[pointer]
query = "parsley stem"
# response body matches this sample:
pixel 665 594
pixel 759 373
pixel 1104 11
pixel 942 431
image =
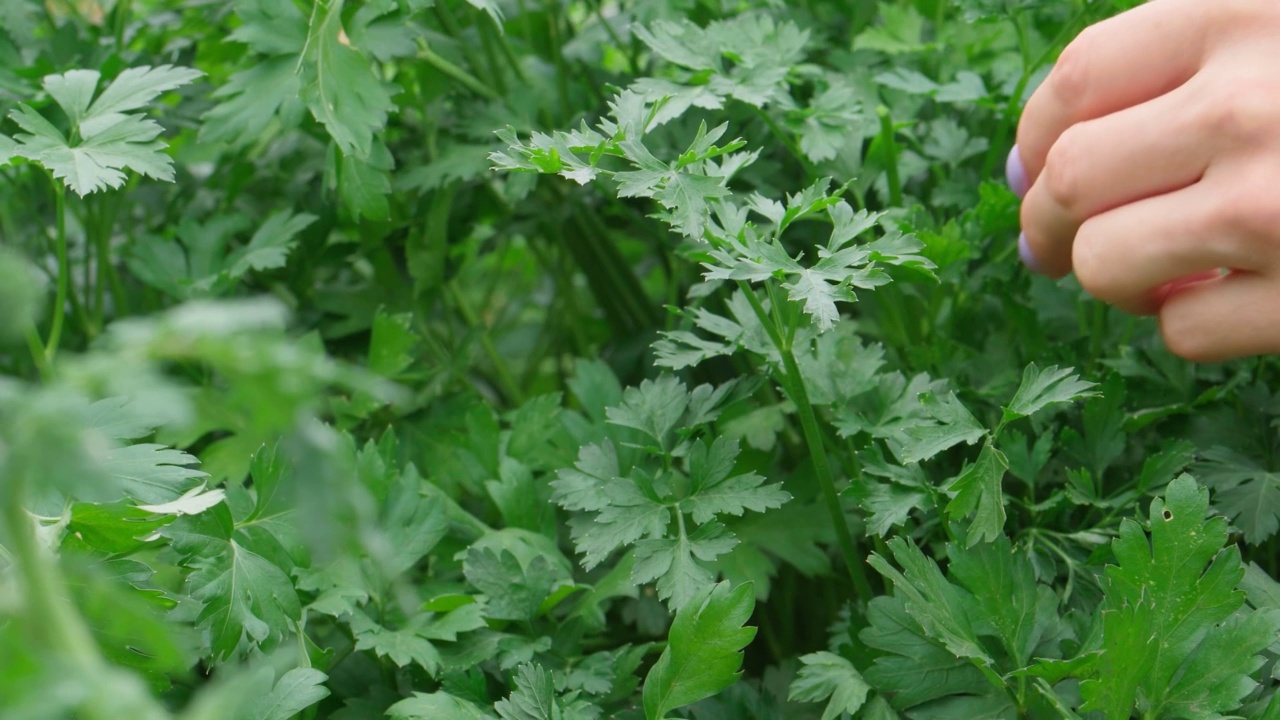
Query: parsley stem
pixel 454 72
pixel 793 384
pixel 500 368
pixel 889 149
pixel 491 55
pixel 557 55
pixel 37 352
pixel 628 52
pixel 789 143
pixel 64 271
pixel 465 45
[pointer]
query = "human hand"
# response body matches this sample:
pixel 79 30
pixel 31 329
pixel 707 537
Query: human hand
pixel 1150 161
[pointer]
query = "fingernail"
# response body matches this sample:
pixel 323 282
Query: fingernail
pixel 1024 253
pixel 1016 174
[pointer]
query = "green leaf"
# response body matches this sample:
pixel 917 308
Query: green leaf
pixel 679 564
pixel 715 490
pixel 437 706
pixel 827 675
pixel 1243 491
pixel 413 523
pixel 764 52
pixel 193 502
pixel 247 600
pixel 270 245
pixel 889 504
pixel 629 516
pixel 295 691
pixel 1173 644
pixel 704 650
pixel 152 473
pixel 978 490
pixel 900 30
pixel 364 183
pixel 404 646
pixel 106 139
pixel 252 99
pixel 655 407
pixel 534 698
pixel 341 88
pixel 513 591
pixel 1022 612
pixel 114 528
pixel 952 424
pixel 1042 388
pixel 270 28
pixel 914 667
pixel 936 604
pixel 391 344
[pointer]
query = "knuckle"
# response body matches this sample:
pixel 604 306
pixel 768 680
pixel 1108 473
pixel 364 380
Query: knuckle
pixel 1092 268
pixel 1238 114
pixel 1069 80
pixel 1245 212
pixel 1062 171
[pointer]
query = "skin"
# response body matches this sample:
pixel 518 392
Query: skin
pixel 1152 151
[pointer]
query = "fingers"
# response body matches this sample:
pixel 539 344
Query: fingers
pixel 1097 165
pixel 1231 317
pixel 1129 256
pixel 1129 59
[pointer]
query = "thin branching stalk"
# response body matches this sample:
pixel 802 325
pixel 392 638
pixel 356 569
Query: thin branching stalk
pixel 792 382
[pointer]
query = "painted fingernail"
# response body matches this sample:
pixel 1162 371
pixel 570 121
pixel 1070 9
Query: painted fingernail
pixel 1016 174
pixel 1024 253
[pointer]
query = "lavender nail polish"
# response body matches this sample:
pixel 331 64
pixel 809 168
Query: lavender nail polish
pixel 1025 254
pixel 1016 174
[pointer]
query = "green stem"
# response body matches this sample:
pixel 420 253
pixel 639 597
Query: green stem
pixel 121 21
pixel 793 384
pixel 787 141
pixel 557 51
pixel 452 28
pixel 64 271
pixel 37 352
pixel 889 146
pixel 795 388
pixel 454 72
pixel 508 52
pixel 628 52
pixel 491 56
pixel 505 378
pixel 1097 333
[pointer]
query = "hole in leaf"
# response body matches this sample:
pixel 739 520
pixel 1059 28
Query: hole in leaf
pixel 1167 515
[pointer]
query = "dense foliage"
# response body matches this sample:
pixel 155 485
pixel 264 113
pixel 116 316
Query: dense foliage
pixel 571 359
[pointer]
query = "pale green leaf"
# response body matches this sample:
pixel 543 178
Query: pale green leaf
pixel 827 675
pixel 295 691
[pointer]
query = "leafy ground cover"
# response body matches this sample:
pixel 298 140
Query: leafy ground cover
pixel 571 359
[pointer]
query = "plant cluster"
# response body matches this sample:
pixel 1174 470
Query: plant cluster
pixel 587 359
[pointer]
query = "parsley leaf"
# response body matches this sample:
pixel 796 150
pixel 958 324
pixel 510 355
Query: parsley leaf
pixel 107 136
pixel 827 675
pixel 1177 587
pixel 1244 491
pixel 704 650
